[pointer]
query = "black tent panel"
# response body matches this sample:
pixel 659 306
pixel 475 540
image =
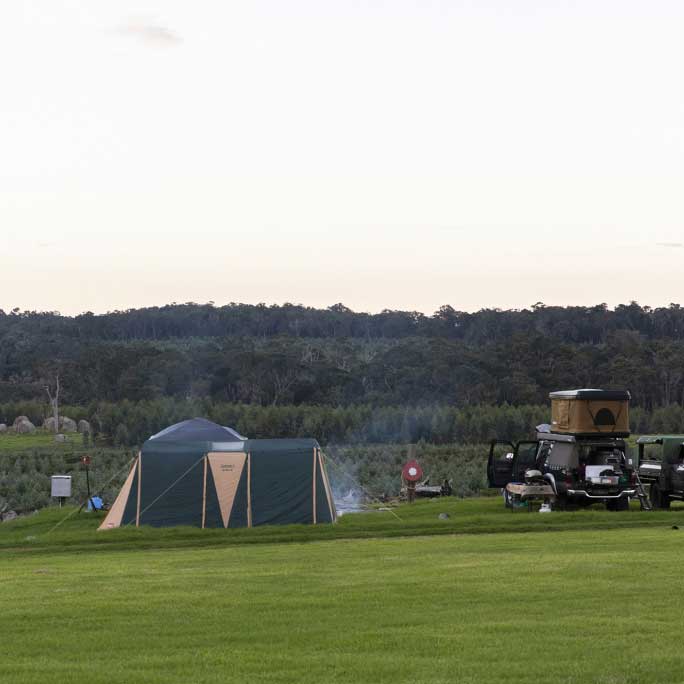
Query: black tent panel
pixel 238 515
pixel 282 487
pixel 172 489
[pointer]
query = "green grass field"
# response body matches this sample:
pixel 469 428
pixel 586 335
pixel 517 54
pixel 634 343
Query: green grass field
pixel 588 596
pixel 39 440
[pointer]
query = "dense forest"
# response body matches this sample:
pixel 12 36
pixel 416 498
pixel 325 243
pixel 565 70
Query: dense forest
pixel 366 386
pixel 293 355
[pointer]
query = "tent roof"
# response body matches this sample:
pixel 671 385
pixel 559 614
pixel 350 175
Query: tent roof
pixel 595 394
pixel 197 430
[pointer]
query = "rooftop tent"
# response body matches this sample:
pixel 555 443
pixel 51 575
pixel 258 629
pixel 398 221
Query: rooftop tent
pixel 192 474
pixel 590 412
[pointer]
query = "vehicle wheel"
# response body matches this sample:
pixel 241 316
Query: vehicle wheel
pixel 560 504
pixel 658 498
pixel 507 499
pixel 618 505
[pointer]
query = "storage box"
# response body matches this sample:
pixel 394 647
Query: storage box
pixel 61 486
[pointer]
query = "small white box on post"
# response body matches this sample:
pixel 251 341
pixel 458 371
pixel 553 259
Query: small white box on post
pixel 61 487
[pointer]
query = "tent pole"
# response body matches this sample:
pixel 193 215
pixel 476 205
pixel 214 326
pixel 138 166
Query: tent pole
pixel 326 485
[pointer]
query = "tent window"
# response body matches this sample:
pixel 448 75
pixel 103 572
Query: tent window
pixel 604 417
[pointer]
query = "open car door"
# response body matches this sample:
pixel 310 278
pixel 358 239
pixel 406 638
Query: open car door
pixel 525 458
pixel 500 463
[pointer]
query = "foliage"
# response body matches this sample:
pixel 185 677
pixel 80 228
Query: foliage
pixel 130 423
pixel 292 355
pixel 25 473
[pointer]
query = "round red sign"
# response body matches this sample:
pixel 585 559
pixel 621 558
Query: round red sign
pixel 412 472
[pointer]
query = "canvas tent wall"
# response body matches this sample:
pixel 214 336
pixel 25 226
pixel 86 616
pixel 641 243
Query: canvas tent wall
pixel 239 483
pixel 590 412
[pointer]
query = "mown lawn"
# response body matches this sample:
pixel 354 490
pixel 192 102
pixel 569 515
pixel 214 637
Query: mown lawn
pixel 573 606
pixel 57 529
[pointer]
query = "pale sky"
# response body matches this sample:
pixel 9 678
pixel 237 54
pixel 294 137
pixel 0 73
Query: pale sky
pixel 381 154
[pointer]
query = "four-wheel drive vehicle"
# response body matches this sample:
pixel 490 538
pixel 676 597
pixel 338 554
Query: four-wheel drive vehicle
pixel 661 464
pixel 512 468
pixel 580 471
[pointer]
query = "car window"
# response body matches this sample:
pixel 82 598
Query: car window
pixel 562 455
pixel 594 456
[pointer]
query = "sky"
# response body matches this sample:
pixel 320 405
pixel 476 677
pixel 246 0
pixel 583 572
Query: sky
pixel 400 155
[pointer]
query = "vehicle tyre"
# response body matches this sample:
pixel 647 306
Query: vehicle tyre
pixel 658 498
pixel 618 504
pixel 561 503
pixel 507 499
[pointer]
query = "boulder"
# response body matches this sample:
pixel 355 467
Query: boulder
pixel 10 515
pixel 3 428
pixel 67 424
pixel 60 438
pixel 22 425
pixel 84 427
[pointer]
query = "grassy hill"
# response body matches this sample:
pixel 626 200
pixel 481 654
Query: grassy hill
pixel 567 604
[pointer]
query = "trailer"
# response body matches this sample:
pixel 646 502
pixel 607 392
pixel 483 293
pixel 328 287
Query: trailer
pixel 661 465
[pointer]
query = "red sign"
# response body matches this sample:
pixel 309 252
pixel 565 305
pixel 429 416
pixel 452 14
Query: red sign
pixel 412 472
pixel 85 460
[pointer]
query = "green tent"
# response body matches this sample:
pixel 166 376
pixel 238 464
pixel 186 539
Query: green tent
pixel 206 475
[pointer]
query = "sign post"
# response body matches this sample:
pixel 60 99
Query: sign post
pixel 411 474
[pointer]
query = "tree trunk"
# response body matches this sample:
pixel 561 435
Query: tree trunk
pixel 54 403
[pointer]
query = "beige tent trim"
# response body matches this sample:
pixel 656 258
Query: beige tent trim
pixel 116 512
pixel 226 468
pixel 326 486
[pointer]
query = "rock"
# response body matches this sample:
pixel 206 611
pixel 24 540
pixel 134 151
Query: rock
pixel 443 516
pixel 10 515
pixel 3 428
pixel 60 438
pixel 84 427
pixel 66 424
pixel 22 425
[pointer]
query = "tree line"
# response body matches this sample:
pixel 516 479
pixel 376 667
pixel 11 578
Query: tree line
pixel 291 355
pixel 573 324
pixel 129 424
pixel 281 371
